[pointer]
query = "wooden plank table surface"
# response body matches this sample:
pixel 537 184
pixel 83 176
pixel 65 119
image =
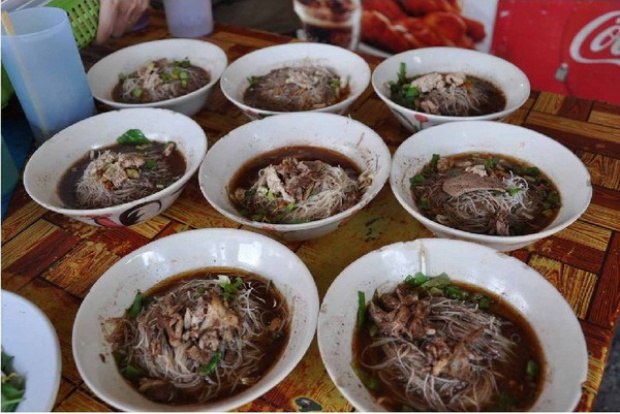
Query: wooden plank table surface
pixel 53 261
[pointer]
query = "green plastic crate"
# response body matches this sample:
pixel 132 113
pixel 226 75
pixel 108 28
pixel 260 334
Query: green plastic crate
pixel 83 16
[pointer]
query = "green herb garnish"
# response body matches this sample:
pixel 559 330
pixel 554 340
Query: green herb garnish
pixel 13 384
pixel 133 136
pixel 361 309
pixel 206 370
pixel 136 306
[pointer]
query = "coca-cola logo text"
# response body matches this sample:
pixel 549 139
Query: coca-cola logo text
pixel 598 41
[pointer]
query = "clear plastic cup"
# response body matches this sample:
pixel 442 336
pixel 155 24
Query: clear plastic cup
pixel 43 63
pixel 333 22
pixel 189 18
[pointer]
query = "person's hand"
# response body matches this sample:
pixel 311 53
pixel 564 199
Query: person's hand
pixel 118 16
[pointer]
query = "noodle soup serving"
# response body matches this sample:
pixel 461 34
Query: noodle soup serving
pixel 486 193
pixel 200 336
pixel 447 94
pixel 296 88
pixel 159 80
pixel 132 168
pixel 297 184
pixel 433 345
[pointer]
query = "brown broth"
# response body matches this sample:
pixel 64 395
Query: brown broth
pixel 175 165
pixel 247 174
pixel 489 97
pixel 513 380
pixel 272 348
pixel 199 77
pixel 274 91
pixel 541 189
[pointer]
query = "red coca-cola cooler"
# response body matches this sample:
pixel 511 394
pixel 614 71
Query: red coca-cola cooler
pixel 571 47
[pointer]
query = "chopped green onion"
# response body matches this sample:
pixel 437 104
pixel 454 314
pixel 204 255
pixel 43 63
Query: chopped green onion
pixel 423 203
pixel 372 383
pixel 137 92
pixel 361 309
pixel 417 179
pixel 253 81
pixel 491 162
pixel 533 171
pixel 210 368
pixel 136 306
pixel 402 72
pixel 455 292
pixel 504 403
pixel 531 369
pixel 131 372
pixel 417 280
pixel 229 287
pixel 434 162
pixel 150 164
pixel 484 302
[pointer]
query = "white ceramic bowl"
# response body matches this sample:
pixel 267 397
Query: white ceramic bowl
pixel 194 249
pixel 550 316
pixel 103 76
pixel 29 337
pixel 346 63
pixel 346 136
pixel 508 77
pixel 51 160
pixel 562 166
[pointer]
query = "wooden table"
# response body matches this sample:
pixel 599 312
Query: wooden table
pixel 53 261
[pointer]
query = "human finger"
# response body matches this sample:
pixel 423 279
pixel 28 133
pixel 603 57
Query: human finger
pixel 107 19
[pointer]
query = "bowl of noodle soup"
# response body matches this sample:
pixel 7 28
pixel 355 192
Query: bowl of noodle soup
pixel 217 367
pixel 503 208
pixel 295 77
pixel 431 86
pixel 85 173
pixel 428 371
pixel 296 176
pixel 176 74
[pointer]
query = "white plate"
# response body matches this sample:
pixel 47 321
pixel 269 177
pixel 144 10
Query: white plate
pixel 172 255
pixel 29 337
pixel 521 286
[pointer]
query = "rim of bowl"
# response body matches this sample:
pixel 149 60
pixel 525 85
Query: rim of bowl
pixel 469 55
pixel 548 231
pixel 305 337
pixel 366 198
pixel 362 64
pixel 171 189
pixel 214 49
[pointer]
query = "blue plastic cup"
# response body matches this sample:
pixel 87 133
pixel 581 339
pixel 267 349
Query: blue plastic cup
pixel 45 68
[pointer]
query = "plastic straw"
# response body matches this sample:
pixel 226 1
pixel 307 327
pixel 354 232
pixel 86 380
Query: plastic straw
pixel 10 31
pixel 8 24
